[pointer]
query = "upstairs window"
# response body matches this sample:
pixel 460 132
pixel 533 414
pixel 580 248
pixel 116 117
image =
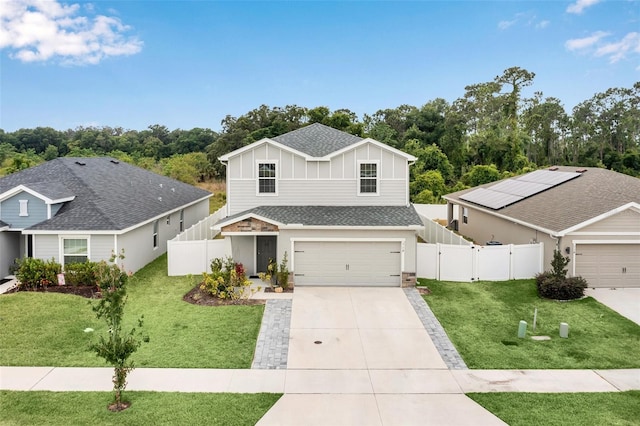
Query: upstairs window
pixel 181 220
pixel 465 215
pixel 267 178
pixel 368 178
pixel 24 207
pixel 75 250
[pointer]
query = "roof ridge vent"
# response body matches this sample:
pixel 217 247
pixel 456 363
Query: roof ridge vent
pixel 115 161
pixel 81 163
pixel 553 169
pixel 581 171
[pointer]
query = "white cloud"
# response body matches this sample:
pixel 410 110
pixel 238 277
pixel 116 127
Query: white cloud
pixel 503 25
pixel 614 50
pixel 526 19
pixel 585 42
pixel 580 5
pixel 619 50
pixel 542 24
pixel 44 30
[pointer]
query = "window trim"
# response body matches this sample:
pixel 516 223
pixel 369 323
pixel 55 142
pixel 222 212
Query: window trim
pixel 181 221
pixel 74 237
pixel 275 178
pixel 24 208
pixel 156 235
pixel 465 215
pixel 377 178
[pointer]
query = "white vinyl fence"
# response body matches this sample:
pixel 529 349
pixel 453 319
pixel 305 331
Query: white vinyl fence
pixel 192 251
pixel 447 262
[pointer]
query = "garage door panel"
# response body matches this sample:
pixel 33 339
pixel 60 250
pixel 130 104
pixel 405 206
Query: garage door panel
pixel 347 263
pixel 609 265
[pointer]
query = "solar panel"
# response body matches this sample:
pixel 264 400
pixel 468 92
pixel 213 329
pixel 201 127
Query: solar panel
pixel 548 177
pixel 519 187
pixel 513 190
pixel 492 199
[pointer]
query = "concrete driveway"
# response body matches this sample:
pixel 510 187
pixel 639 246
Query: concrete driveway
pixel 361 356
pixel 625 301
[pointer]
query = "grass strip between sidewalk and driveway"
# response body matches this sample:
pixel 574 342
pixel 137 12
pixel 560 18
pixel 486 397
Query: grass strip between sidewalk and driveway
pixel 47 329
pixel 481 319
pixel 560 409
pixel 160 408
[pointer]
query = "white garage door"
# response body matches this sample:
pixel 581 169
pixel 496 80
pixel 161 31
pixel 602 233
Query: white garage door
pixel 348 263
pixel 609 265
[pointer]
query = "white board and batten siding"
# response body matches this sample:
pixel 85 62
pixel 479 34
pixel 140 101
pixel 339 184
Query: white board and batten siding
pixel 479 263
pixel 324 183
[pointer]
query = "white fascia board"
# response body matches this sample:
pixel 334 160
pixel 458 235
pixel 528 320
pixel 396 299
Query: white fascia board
pixel 373 142
pixel 505 217
pixel 62 200
pixel 112 231
pixel 227 156
pixel 221 224
pixel 357 228
pixel 632 205
pixel 22 188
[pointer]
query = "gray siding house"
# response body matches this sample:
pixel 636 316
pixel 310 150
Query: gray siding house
pixel 76 209
pixel 337 204
pixel 591 215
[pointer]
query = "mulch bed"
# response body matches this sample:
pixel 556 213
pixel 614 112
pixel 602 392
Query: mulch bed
pixel 199 297
pixel 423 290
pixel 87 291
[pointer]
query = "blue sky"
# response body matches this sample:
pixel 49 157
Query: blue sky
pixel 188 64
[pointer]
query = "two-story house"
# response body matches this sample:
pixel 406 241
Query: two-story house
pixel 78 209
pixel 337 204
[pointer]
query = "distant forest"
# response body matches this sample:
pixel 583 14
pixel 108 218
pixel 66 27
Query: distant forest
pixel 490 133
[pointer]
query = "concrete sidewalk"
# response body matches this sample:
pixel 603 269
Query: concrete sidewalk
pixel 352 381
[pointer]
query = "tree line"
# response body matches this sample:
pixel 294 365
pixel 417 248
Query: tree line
pixel 491 132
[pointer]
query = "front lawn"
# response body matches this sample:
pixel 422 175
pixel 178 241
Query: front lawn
pixel 550 409
pixel 47 329
pixel 160 408
pixel 482 319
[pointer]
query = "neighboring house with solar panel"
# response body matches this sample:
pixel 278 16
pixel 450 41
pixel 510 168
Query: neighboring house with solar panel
pixel 337 204
pixel 591 215
pixel 78 209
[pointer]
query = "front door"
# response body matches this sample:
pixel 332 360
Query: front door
pixel 265 251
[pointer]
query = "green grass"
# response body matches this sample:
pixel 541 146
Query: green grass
pixel 482 319
pixel 47 329
pixel 558 409
pixel 90 408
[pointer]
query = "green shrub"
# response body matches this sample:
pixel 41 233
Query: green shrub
pixel 80 273
pixel 283 273
pixel 34 273
pixel 227 280
pixel 552 287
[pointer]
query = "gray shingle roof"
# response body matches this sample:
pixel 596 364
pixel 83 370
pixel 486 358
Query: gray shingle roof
pixel 317 140
pixel 51 190
pixel 109 195
pixel 595 192
pixel 336 215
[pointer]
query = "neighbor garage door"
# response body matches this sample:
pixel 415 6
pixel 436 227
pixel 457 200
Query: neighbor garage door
pixel 347 263
pixel 609 265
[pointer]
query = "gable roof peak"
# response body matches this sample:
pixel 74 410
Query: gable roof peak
pixel 317 140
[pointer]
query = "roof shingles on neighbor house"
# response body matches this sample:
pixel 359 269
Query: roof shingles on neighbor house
pixel 595 192
pixel 107 194
pixel 349 216
pixel 317 140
